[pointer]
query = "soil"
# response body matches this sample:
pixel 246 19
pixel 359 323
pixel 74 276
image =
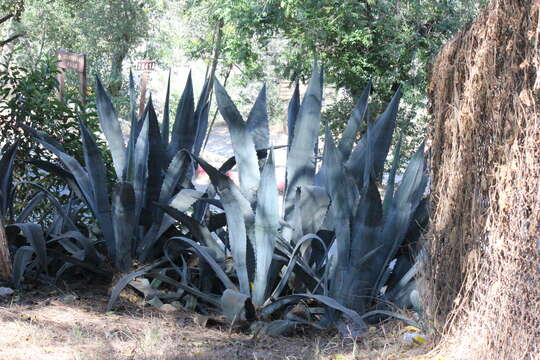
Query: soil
pixel 54 323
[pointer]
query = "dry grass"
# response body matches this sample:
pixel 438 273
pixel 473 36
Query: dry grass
pixel 42 326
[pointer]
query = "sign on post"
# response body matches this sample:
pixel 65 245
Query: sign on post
pixel 71 61
pixel 146 66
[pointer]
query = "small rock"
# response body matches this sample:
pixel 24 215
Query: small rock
pixel 68 298
pixel 177 305
pixel 414 338
pixel 5 291
pixel 168 308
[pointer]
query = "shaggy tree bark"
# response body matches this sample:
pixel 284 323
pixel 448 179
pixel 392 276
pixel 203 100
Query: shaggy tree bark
pixel 5 261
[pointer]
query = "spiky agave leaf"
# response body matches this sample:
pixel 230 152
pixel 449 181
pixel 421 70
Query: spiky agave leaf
pixel 185 127
pixel 239 220
pixel 348 137
pixel 124 221
pixel 266 229
pixel 97 172
pixel 7 163
pixel 407 198
pixel 111 128
pixel 33 234
pixel 242 142
pixel 300 160
pixel 257 121
pixel 383 130
pixel 292 113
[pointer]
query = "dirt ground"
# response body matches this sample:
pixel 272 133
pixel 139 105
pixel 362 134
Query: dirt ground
pixel 51 323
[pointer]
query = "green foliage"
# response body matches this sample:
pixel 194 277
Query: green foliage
pixel 388 42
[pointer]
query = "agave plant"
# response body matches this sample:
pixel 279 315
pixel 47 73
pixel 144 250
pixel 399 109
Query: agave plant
pixel 266 261
pixel 152 166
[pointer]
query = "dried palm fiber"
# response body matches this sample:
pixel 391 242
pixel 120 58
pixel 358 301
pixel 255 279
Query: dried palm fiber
pixel 484 270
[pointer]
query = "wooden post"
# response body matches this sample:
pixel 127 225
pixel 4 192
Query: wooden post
pixel 146 66
pixel 71 61
pixel 144 81
pixel 5 259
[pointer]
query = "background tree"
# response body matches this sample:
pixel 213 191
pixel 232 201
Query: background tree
pixel 388 42
pixel 10 10
pixel 107 31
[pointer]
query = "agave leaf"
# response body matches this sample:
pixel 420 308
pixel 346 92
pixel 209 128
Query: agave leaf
pixel 292 113
pixel 239 217
pixel 165 125
pixel 111 128
pixel 59 171
pixel 292 263
pixel 237 306
pixel 199 231
pixel 343 194
pixel 405 319
pixel 229 164
pixel 89 251
pixel 329 302
pixel 266 228
pixel 313 204
pixel 132 100
pixel 22 258
pixel 97 172
pixel 34 236
pixel 407 198
pixel 157 163
pixel 133 127
pixel 140 164
pixel 389 194
pixel 6 171
pixel 126 279
pixel 30 207
pixel 382 138
pixel 257 122
pixel 242 142
pixel 185 128
pixel 276 327
pixel 348 137
pixel 208 258
pixel 300 160
pixel 195 292
pixel 60 210
pixel 78 172
pixel 124 223
pixel 201 116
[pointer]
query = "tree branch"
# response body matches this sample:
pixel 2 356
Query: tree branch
pixel 10 39
pixel 6 18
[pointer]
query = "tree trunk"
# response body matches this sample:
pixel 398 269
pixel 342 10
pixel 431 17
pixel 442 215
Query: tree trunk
pixel 5 259
pixel 115 83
